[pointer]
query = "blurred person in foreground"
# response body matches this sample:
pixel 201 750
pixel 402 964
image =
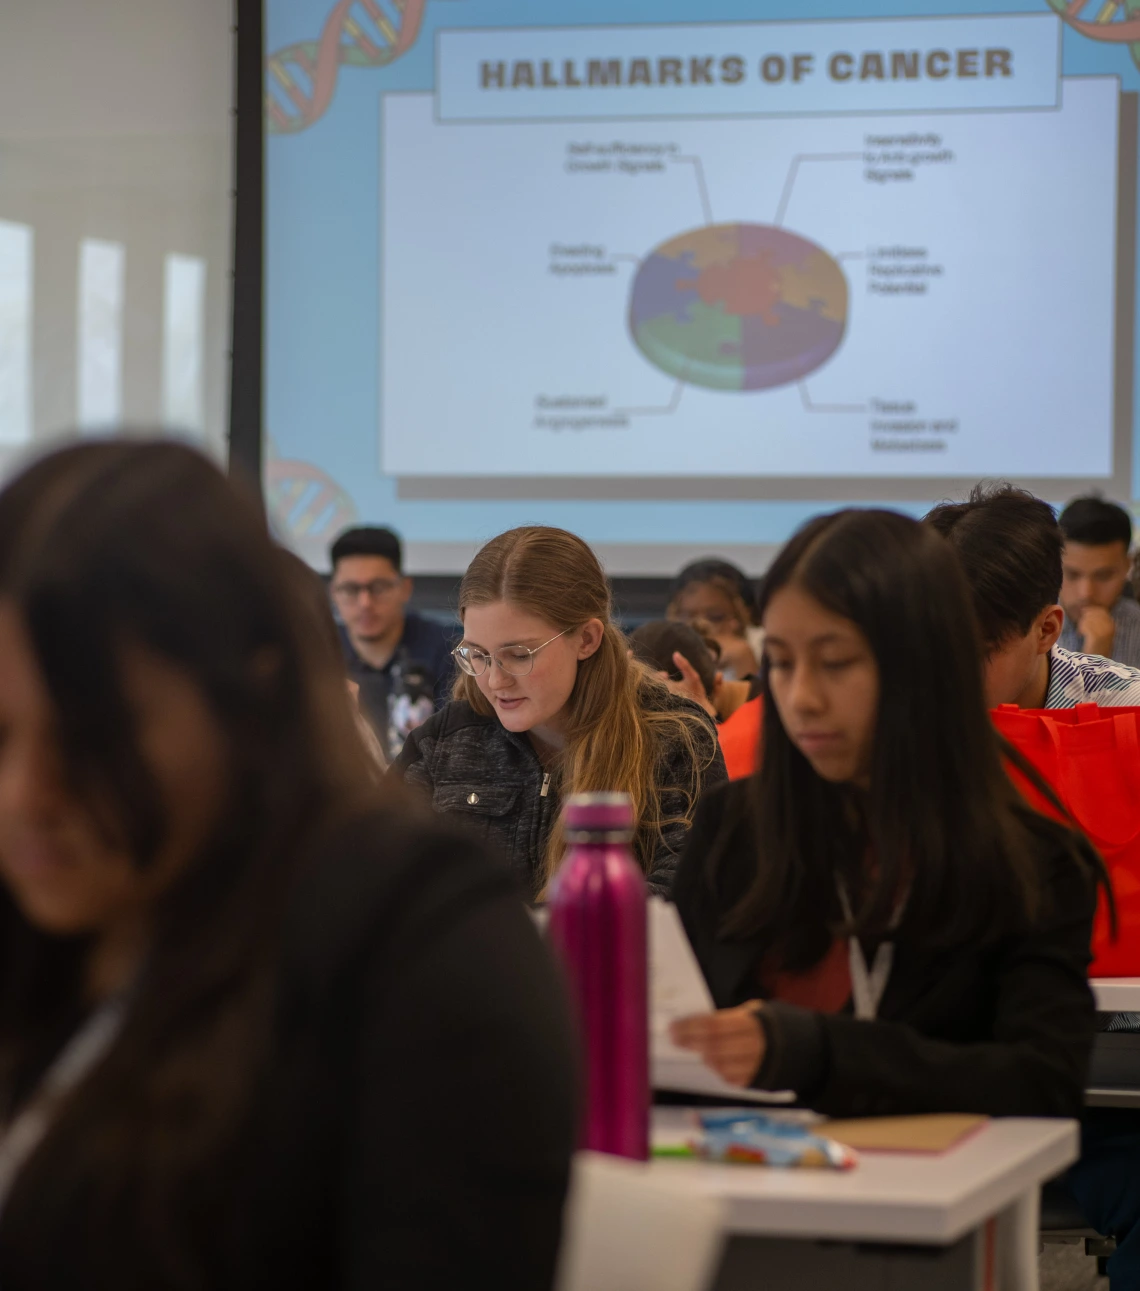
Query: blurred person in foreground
pixel 1101 614
pixel 241 982
pixel 313 598
pixel 400 660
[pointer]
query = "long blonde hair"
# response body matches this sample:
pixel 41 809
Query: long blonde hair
pixel 618 720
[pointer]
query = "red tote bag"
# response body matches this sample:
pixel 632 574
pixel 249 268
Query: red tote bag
pixel 1090 757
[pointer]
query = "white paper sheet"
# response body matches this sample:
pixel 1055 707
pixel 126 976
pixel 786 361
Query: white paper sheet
pixel 677 989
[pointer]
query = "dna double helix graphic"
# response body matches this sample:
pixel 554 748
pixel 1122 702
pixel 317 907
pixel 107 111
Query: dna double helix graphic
pixel 300 79
pixel 306 505
pixel 1116 21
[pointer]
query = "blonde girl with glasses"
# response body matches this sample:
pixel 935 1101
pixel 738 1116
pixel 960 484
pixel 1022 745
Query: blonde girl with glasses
pixel 547 702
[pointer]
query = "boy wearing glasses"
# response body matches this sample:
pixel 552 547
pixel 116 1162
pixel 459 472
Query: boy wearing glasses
pixel 399 659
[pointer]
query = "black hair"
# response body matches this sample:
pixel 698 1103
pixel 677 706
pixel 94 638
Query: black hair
pixel 941 819
pixel 313 596
pixel 1095 521
pixel 369 540
pixel 656 642
pixel 104 545
pixel 719 573
pixel 1009 545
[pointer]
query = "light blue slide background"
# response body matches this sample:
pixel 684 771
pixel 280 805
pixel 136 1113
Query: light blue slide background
pixel 322 299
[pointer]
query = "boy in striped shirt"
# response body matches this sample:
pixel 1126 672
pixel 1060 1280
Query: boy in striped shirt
pixel 1010 546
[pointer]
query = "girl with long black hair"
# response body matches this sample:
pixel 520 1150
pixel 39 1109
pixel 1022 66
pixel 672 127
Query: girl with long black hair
pixel 884 923
pixel 241 985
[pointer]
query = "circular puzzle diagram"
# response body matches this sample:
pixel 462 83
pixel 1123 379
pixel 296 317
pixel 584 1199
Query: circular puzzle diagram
pixel 738 306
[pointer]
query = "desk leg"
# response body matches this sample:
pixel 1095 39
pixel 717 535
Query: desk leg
pixel 1017 1239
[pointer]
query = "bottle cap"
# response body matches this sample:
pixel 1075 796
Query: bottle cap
pixel 607 813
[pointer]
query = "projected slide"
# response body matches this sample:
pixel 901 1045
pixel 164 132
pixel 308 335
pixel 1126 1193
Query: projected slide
pixel 861 289
pixel 678 279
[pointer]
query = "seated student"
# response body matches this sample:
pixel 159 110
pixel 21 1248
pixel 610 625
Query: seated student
pixel 721 596
pixel 731 696
pixel 740 737
pixel 387 647
pixel 240 980
pixel 734 704
pixel 1009 545
pixel 548 703
pixel 313 600
pixel 883 922
pixel 1101 614
pixel 680 657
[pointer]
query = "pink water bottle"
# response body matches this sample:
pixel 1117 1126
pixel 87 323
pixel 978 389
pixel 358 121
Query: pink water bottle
pixel 598 927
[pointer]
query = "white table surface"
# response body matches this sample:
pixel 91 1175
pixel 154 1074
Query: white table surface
pixel 890 1196
pixel 1117 994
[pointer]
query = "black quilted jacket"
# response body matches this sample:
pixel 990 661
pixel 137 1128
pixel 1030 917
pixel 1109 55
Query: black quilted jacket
pixel 490 778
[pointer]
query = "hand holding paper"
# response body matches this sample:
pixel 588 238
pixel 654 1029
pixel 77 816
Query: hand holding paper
pixel 730 1041
pixel 677 991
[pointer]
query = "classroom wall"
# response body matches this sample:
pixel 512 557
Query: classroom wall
pixel 115 178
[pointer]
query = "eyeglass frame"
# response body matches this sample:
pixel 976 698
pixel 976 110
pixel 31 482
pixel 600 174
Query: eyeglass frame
pixel 492 656
pixel 352 592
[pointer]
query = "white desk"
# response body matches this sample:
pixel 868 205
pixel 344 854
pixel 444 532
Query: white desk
pixel 891 1199
pixel 1117 994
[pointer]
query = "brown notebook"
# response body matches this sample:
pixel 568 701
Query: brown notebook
pixel 937 1133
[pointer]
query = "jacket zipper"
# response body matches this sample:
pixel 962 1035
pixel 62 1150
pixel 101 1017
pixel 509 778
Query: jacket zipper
pixel 540 820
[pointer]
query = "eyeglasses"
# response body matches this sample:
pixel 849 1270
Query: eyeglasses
pixel 714 618
pixel 378 588
pixel 516 660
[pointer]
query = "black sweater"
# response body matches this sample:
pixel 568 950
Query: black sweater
pixel 414 1125
pixel 490 778
pixel 1004 1029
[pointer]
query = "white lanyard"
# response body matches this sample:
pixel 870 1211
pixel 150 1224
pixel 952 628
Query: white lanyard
pixel 78 1057
pixel 867 986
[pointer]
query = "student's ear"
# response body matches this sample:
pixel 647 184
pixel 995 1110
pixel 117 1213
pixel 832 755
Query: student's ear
pixel 1049 624
pixel 590 638
pixel 407 587
pixel 718 682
